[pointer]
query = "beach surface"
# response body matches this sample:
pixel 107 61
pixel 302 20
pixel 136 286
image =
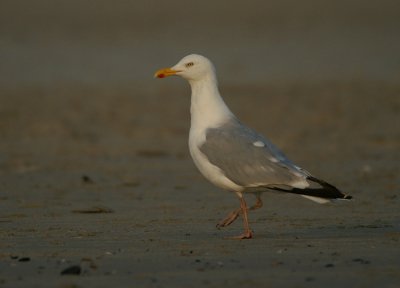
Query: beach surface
pixel 97 187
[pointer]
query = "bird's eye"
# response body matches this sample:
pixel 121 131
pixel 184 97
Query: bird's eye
pixel 189 64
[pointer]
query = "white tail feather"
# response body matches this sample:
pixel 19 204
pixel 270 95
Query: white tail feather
pixel 317 199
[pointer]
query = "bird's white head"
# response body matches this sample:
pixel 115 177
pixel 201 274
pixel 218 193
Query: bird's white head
pixel 193 67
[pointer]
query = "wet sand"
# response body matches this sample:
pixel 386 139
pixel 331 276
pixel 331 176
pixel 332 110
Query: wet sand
pixel 103 179
pixel 97 188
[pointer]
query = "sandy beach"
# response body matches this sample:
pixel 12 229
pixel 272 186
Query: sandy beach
pixel 97 187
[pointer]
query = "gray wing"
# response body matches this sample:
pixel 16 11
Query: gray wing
pixel 247 158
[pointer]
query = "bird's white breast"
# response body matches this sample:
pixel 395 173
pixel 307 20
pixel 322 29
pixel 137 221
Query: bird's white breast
pixel 208 110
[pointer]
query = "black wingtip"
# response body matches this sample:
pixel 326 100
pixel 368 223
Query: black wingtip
pixel 326 191
pixel 333 192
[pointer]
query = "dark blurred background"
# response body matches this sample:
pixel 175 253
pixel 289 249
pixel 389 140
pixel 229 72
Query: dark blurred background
pixel 46 42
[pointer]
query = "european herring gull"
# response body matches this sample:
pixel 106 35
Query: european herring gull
pixel 233 156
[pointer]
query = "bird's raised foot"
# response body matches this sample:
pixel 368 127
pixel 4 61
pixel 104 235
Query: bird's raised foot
pixel 229 219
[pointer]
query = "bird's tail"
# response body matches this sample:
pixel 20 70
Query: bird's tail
pixel 324 192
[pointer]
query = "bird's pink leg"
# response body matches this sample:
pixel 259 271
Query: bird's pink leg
pixel 235 214
pixel 258 203
pixel 228 220
pixel 247 234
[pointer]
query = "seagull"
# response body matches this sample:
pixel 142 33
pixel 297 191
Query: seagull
pixel 233 156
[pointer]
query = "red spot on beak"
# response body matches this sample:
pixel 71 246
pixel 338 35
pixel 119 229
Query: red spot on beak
pixel 161 75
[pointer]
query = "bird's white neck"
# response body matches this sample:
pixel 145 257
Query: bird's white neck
pixel 207 109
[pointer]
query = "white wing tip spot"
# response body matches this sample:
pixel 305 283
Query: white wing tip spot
pixel 259 144
pixel 301 184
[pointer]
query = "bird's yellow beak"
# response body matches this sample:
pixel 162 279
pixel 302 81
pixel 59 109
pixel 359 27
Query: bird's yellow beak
pixel 165 72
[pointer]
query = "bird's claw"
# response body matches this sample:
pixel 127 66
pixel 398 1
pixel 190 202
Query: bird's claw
pixel 245 235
